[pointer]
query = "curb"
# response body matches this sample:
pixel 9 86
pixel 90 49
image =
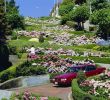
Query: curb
pixel 70 96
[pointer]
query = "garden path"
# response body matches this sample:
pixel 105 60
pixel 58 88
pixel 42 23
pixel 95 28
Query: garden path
pixel 48 90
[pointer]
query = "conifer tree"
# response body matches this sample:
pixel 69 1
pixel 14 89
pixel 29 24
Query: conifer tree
pixel 4 30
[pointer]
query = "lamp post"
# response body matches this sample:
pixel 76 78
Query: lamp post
pixel 90 7
pixel 5 5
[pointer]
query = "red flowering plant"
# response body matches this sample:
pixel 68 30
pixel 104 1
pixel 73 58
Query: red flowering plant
pixel 51 57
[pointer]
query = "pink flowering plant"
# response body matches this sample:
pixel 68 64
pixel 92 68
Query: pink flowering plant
pixel 97 87
pixel 26 95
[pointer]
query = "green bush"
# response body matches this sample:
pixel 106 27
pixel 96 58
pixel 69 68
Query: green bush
pixel 92 28
pixel 81 77
pixel 13 50
pixel 78 94
pixel 14 35
pixel 41 39
pixel 71 24
pixel 4 57
pixel 27 69
pixel 11 71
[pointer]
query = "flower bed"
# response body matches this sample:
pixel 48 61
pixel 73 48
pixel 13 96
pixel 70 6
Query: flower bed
pixel 94 88
pixel 26 95
pixel 79 94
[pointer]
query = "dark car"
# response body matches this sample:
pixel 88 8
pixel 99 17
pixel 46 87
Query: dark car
pixel 66 78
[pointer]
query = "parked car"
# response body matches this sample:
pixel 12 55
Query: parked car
pixel 66 78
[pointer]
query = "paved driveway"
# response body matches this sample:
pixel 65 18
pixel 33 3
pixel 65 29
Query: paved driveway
pixel 49 90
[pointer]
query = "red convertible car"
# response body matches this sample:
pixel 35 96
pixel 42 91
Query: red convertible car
pixel 66 78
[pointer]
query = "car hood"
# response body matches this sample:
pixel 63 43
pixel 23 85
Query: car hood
pixel 66 75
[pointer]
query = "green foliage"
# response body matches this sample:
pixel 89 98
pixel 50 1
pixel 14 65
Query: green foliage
pixel 14 35
pixel 41 38
pixel 4 57
pixel 71 24
pixel 13 50
pixel 64 19
pixel 33 27
pixel 4 99
pixel 92 28
pixel 80 15
pixel 4 27
pixel 99 4
pixel 102 19
pixel 11 71
pixel 65 9
pixel 79 2
pixel 13 17
pixel 65 2
pixel 26 69
pixel 54 98
pixel 81 77
pixel 77 32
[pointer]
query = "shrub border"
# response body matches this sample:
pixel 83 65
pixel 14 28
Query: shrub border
pixel 4 75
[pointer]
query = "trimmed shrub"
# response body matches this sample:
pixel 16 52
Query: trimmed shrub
pixel 41 39
pixel 27 69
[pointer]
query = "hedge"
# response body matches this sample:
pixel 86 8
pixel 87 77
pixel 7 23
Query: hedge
pixel 95 59
pixel 11 71
pixel 78 94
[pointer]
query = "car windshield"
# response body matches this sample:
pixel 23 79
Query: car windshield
pixel 73 69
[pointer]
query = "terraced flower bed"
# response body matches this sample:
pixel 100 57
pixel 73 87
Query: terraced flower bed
pixel 92 89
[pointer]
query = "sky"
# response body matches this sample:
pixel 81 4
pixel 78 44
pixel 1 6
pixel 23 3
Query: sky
pixel 35 8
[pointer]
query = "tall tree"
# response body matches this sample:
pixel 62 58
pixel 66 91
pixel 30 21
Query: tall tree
pixel 14 18
pixel 102 19
pixel 4 30
pixel 80 14
pixel 99 4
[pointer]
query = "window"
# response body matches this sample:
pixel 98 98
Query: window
pixel 90 68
